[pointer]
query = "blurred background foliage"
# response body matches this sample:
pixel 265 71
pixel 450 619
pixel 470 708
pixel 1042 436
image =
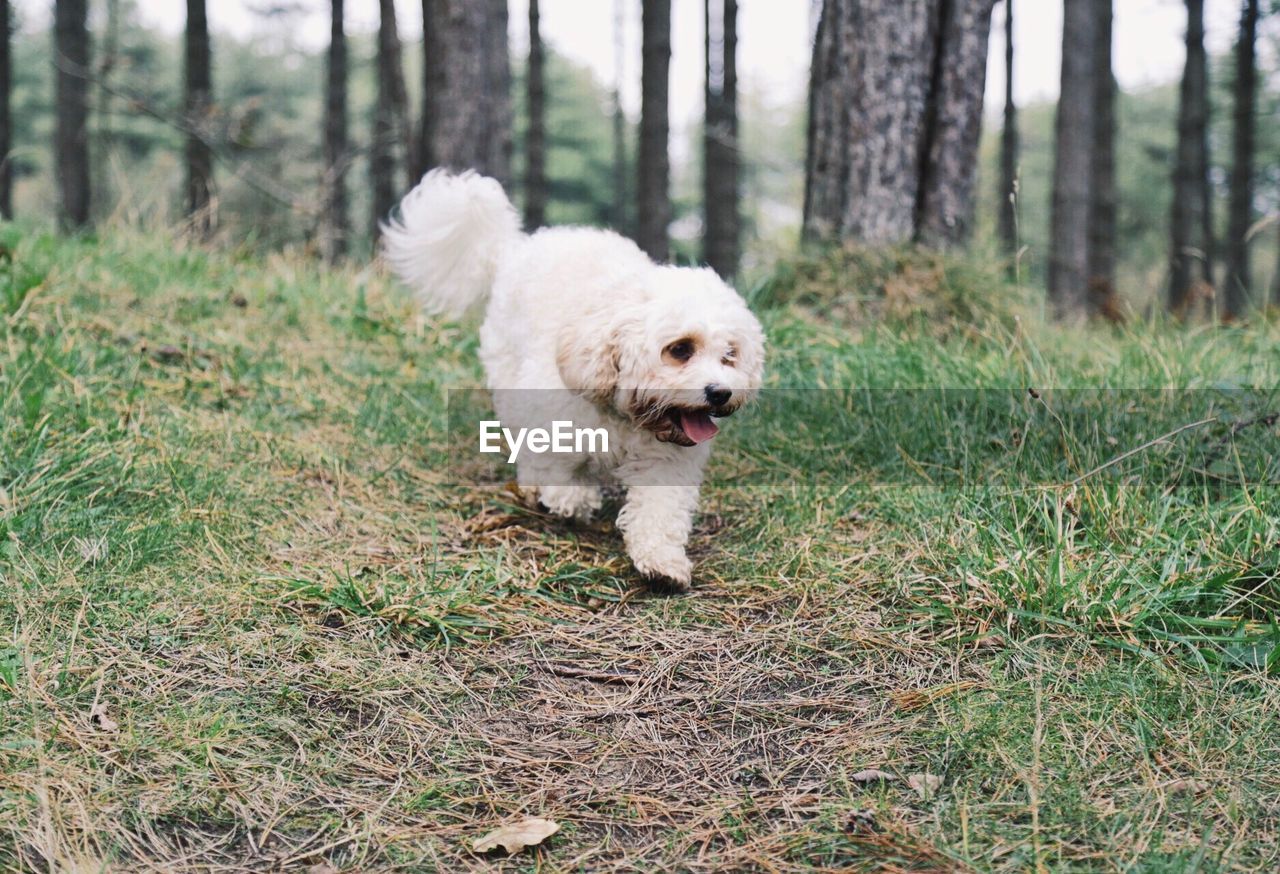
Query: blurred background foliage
pixel 269 161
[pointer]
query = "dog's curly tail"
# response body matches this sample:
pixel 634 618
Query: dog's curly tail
pixel 447 239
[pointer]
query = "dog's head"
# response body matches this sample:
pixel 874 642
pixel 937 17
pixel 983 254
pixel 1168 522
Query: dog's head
pixel 685 353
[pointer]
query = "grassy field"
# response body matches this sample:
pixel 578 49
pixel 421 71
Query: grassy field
pixel 250 623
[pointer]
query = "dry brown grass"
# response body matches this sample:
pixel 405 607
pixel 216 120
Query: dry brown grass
pixel 300 648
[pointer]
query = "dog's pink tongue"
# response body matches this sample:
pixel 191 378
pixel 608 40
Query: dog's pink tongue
pixel 698 427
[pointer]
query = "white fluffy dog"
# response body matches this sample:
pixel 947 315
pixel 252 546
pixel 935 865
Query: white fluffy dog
pixel 582 326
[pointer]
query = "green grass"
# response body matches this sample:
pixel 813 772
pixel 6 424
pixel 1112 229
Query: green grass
pixel 249 620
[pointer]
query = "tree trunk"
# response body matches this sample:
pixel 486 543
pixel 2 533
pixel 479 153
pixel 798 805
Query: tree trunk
pixel 721 162
pixel 106 134
pixel 423 160
pixel 535 176
pixel 872 74
pixel 821 214
pixel 1009 146
pixel 953 123
pixel 467 111
pixel 1102 193
pixel 199 102
pixel 620 199
pixel 1243 136
pixel 6 132
pixel 895 104
pixel 333 240
pixel 1275 277
pixel 1072 166
pixel 389 116
pixel 1191 276
pixel 404 133
pixel 71 140
pixel 654 170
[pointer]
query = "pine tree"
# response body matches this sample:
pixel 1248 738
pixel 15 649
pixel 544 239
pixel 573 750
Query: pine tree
pixel 1102 187
pixel 721 160
pixel 71 138
pixel 654 163
pixel 1243 138
pixel 1072 166
pixel 1191 245
pixel 467 114
pixel 6 133
pixel 106 133
pixel 535 176
pixel 334 222
pixel 953 123
pixel 1008 220
pixel 895 101
pixel 390 124
pixel 199 103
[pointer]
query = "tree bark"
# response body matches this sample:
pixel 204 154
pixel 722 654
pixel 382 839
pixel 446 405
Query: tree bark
pixel 1102 190
pixel 821 169
pixel 535 177
pixel 467 111
pixel 423 159
pixel 106 134
pixel 199 102
pixel 953 123
pixel 895 104
pixel 404 132
pixel 1275 277
pixel 1008 221
pixel 71 139
pixel 1072 167
pixel 1243 137
pixel 620 187
pixel 654 163
pixel 1191 272
pixel 721 162
pixel 6 122
pixel 333 243
pixel 871 81
pixel 388 117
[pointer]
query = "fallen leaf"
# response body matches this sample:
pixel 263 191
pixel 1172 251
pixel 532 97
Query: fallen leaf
pixel 515 837
pixel 1186 784
pixel 925 784
pixel 872 775
pixel 101 721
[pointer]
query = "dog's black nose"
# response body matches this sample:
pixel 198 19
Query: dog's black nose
pixel 717 396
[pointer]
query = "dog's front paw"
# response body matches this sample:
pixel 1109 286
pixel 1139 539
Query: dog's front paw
pixel 669 573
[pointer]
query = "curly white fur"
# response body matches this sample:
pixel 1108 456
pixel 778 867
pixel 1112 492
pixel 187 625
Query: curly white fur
pixel 446 242
pixel 580 325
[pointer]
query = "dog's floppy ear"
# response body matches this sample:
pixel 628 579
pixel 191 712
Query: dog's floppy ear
pixel 591 357
pixel 588 363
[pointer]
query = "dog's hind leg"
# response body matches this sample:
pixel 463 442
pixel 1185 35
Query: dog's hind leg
pixel 560 488
pixel 579 500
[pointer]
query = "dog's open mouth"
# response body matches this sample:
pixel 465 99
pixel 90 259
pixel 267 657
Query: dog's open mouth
pixel 689 427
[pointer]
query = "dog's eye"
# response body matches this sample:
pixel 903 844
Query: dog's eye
pixel 680 350
pixel 730 357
